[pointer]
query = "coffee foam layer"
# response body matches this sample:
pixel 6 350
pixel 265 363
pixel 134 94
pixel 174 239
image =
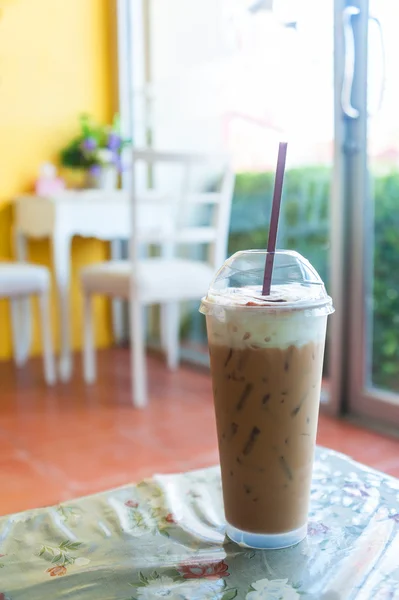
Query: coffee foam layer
pixel 241 330
pixel 257 328
pixel 291 294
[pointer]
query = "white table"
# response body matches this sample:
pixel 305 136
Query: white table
pixel 89 213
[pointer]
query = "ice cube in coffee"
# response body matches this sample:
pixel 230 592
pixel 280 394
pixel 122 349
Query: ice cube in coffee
pixel 266 355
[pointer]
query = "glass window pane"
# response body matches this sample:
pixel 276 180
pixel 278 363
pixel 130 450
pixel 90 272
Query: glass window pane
pixel 383 342
pixel 242 76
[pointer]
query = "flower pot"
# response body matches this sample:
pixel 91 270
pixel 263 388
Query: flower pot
pixel 103 178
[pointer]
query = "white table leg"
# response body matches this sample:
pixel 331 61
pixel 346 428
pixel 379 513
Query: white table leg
pixel 48 355
pixel 61 248
pixel 118 321
pixel 20 309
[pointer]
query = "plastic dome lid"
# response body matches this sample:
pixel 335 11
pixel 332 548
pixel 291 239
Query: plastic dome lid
pixel 295 283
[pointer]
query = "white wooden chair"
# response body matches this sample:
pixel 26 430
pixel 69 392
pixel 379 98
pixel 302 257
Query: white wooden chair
pixel 165 280
pixel 18 281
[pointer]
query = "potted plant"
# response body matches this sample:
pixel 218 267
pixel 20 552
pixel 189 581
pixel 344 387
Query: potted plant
pixel 98 151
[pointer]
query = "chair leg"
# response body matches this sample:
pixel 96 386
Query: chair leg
pixel 89 359
pixel 21 329
pixel 48 355
pixel 170 314
pixel 138 371
pixel 163 328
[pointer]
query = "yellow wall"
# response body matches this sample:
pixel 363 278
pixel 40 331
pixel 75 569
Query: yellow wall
pixel 56 59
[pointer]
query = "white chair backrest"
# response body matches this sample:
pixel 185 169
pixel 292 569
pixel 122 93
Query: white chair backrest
pixel 165 215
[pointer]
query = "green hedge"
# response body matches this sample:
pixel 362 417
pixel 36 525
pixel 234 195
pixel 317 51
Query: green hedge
pixel 304 227
pixel 385 362
pixel 304 214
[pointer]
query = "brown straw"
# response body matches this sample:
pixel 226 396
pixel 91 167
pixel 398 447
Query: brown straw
pixel 271 244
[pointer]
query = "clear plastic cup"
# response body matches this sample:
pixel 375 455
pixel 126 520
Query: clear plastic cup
pixel 266 357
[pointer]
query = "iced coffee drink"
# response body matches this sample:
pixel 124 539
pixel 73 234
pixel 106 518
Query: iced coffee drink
pixel 266 357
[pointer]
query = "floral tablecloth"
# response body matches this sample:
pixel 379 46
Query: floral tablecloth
pixel 164 538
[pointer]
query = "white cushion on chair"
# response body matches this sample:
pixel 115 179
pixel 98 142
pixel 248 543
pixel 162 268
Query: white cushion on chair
pixel 157 279
pixel 21 279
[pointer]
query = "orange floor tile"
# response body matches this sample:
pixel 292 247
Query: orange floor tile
pixel 74 440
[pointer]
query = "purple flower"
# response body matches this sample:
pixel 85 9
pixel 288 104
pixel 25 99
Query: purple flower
pixel 114 141
pixel 95 170
pixel 316 528
pixel 355 489
pixel 89 144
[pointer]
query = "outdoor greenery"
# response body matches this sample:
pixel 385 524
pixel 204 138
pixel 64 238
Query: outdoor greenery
pixel 305 228
pixel 385 364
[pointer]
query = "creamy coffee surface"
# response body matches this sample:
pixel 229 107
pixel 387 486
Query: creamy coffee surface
pixel 238 327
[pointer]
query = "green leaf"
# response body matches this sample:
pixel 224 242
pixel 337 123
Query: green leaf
pixel 1 566
pixel 68 545
pixel 74 545
pixel 142 579
pixel 138 519
pixel 42 551
pixel 57 558
pixel 230 594
pixel 164 532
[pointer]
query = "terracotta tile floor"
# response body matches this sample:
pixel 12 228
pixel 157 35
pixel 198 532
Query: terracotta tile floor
pixel 73 440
